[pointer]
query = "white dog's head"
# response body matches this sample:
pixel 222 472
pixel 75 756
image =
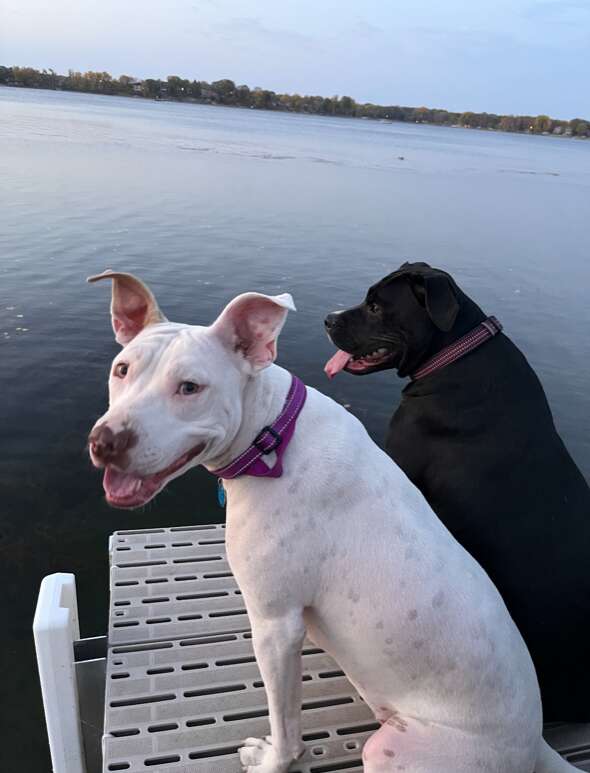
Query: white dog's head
pixel 175 391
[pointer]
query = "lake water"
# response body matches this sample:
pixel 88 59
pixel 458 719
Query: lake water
pixel 207 202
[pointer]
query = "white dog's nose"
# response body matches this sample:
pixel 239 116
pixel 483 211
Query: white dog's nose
pixel 108 447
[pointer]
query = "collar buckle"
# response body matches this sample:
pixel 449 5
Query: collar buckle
pixel 275 443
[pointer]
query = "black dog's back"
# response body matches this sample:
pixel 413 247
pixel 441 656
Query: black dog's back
pixel 479 440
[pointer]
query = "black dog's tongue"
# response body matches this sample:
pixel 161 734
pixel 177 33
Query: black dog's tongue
pixel 336 363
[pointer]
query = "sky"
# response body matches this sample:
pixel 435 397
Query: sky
pixel 503 56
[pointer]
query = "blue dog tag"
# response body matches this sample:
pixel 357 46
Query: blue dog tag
pixel 221 497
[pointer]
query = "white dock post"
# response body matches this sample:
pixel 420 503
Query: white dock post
pixel 55 628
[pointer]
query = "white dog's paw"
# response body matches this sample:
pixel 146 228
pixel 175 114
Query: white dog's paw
pixel 258 755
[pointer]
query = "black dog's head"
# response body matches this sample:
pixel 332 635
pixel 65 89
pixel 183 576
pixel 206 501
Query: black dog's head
pixel 397 324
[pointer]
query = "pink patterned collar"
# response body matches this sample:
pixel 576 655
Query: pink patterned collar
pixel 487 329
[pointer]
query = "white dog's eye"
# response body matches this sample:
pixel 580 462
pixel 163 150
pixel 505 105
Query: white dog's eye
pixel 121 369
pixel 188 388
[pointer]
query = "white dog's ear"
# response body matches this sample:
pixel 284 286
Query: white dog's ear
pixel 133 305
pixel 251 324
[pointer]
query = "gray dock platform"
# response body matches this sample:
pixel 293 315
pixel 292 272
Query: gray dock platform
pixel 183 689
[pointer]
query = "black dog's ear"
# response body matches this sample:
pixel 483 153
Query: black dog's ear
pixel 413 266
pixel 440 300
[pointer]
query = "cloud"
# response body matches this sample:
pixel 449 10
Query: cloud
pixel 568 11
pixel 206 5
pixel 367 31
pixel 250 31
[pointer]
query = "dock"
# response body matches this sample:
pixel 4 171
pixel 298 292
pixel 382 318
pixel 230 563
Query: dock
pixel 174 687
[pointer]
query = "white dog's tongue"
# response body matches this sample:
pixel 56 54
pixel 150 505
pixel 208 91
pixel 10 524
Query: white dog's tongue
pixel 120 484
pixel 336 363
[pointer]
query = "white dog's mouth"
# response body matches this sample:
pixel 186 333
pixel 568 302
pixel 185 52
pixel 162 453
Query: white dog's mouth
pixel 128 490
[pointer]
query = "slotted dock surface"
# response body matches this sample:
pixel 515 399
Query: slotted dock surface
pixel 183 689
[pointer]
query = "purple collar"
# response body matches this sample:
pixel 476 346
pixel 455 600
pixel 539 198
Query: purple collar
pixel 487 329
pixel 275 437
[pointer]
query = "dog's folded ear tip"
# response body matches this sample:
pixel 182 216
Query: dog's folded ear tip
pixel 96 277
pixel 286 300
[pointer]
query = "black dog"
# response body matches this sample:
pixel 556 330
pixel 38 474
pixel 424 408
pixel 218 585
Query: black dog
pixel 477 437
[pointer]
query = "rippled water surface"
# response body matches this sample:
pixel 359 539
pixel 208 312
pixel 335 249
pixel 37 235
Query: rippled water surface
pixel 204 203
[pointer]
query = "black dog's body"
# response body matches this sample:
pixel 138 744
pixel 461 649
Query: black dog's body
pixel 478 439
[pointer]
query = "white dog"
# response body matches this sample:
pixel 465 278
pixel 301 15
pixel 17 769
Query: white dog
pixel 340 546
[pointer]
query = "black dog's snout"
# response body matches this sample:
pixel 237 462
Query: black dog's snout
pixel 332 320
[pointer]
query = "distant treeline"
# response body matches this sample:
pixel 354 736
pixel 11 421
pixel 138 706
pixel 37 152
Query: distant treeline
pixel 225 92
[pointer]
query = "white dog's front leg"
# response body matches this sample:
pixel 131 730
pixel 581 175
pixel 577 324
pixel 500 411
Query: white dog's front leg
pixel 277 645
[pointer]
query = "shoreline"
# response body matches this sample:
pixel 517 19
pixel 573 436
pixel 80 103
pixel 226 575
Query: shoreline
pixel 336 107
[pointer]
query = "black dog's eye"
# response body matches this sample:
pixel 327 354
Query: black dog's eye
pixel 121 370
pixel 188 388
pixel 374 308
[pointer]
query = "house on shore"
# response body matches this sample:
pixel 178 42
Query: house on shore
pixel 209 94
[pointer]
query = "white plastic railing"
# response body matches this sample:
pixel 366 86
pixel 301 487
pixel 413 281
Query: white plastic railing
pixel 55 628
